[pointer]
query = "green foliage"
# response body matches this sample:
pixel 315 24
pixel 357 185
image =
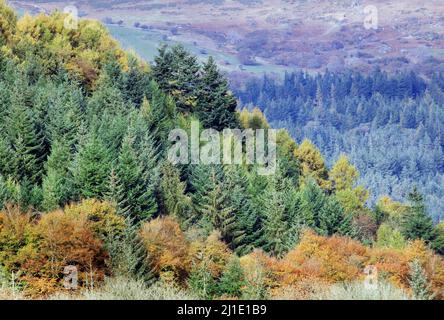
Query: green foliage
pixel 419 283
pixel 387 237
pixel 202 282
pixel 416 223
pixel 91 169
pixel 232 280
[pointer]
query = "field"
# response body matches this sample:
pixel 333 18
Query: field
pixel 254 36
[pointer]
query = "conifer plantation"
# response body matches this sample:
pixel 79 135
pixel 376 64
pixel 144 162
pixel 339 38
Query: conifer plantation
pixel 85 181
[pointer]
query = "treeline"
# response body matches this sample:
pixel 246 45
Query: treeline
pixel 84 181
pixel 389 125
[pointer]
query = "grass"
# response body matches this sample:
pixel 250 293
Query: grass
pixel 121 288
pixel 358 291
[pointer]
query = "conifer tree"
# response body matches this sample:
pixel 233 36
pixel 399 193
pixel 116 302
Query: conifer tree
pixel 202 282
pixel 133 180
pixel 421 288
pixel 26 142
pixel 174 200
pixel 417 224
pixel 91 169
pixel 57 188
pixel 217 105
pixel 343 175
pixel 332 219
pixel 232 280
pixel 276 228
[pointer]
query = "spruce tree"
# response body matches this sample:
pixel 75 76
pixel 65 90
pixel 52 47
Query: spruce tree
pixel 139 197
pixel 217 105
pixel 421 288
pixel 417 224
pixel 26 142
pixel 174 200
pixel 91 169
pixel 232 280
pixel 57 189
pixel 276 228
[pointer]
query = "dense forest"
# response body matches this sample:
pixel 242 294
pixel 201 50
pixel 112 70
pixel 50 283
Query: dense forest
pixel 85 182
pixel 391 126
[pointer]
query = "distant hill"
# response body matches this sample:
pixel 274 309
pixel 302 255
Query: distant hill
pixel 257 36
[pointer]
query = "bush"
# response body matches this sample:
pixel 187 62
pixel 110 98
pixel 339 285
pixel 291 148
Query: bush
pixel 324 259
pixel 167 249
pixel 358 291
pixel 121 288
pixel 40 249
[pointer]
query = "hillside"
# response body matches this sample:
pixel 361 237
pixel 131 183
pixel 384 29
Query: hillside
pixel 87 184
pixel 257 36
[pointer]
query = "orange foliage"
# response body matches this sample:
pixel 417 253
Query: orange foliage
pixel 167 248
pixel 44 247
pixel 325 259
pixel 395 265
pixel 212 251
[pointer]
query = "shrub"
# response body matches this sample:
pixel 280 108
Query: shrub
pixel 358 291
pixel 122 288
pixel 324 259
pixel 59 240
pixel 167 249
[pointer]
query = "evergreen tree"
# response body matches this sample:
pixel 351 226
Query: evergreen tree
pixel 202 282
pixel 175 201
pixel 26 142
pixel 417 224
pixel 139 198
pixel 217 105
pixel 419 283
pixel 276 228
pixel 232 280
pixel 57 188
pixel 333 220
pixel 91 169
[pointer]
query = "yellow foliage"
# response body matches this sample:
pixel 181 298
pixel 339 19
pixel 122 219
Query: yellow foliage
pixel 167 247
pixel 353 200
pixel 101 215
pixel 343 175
pixel 312 163
pixel 82 51
pixel 8 21
pixel 40 249
pixel 394 209
pixel 253 120
pixel 324 259
pixel 213 252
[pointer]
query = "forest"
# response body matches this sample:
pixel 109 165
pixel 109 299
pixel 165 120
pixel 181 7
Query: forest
pixel 85 182
pixel 391 126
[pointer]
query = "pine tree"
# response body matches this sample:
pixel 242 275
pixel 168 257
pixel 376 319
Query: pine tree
pixel 419 283
pixel 417 224
pixel 333 220
pixel 26 142
pixel 175 201
pixel 91 169
pixel 232 280
pixel 217 105
pixel 57 188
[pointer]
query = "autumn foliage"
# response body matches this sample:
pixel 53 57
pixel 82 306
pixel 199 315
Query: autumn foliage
pixel 39 248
